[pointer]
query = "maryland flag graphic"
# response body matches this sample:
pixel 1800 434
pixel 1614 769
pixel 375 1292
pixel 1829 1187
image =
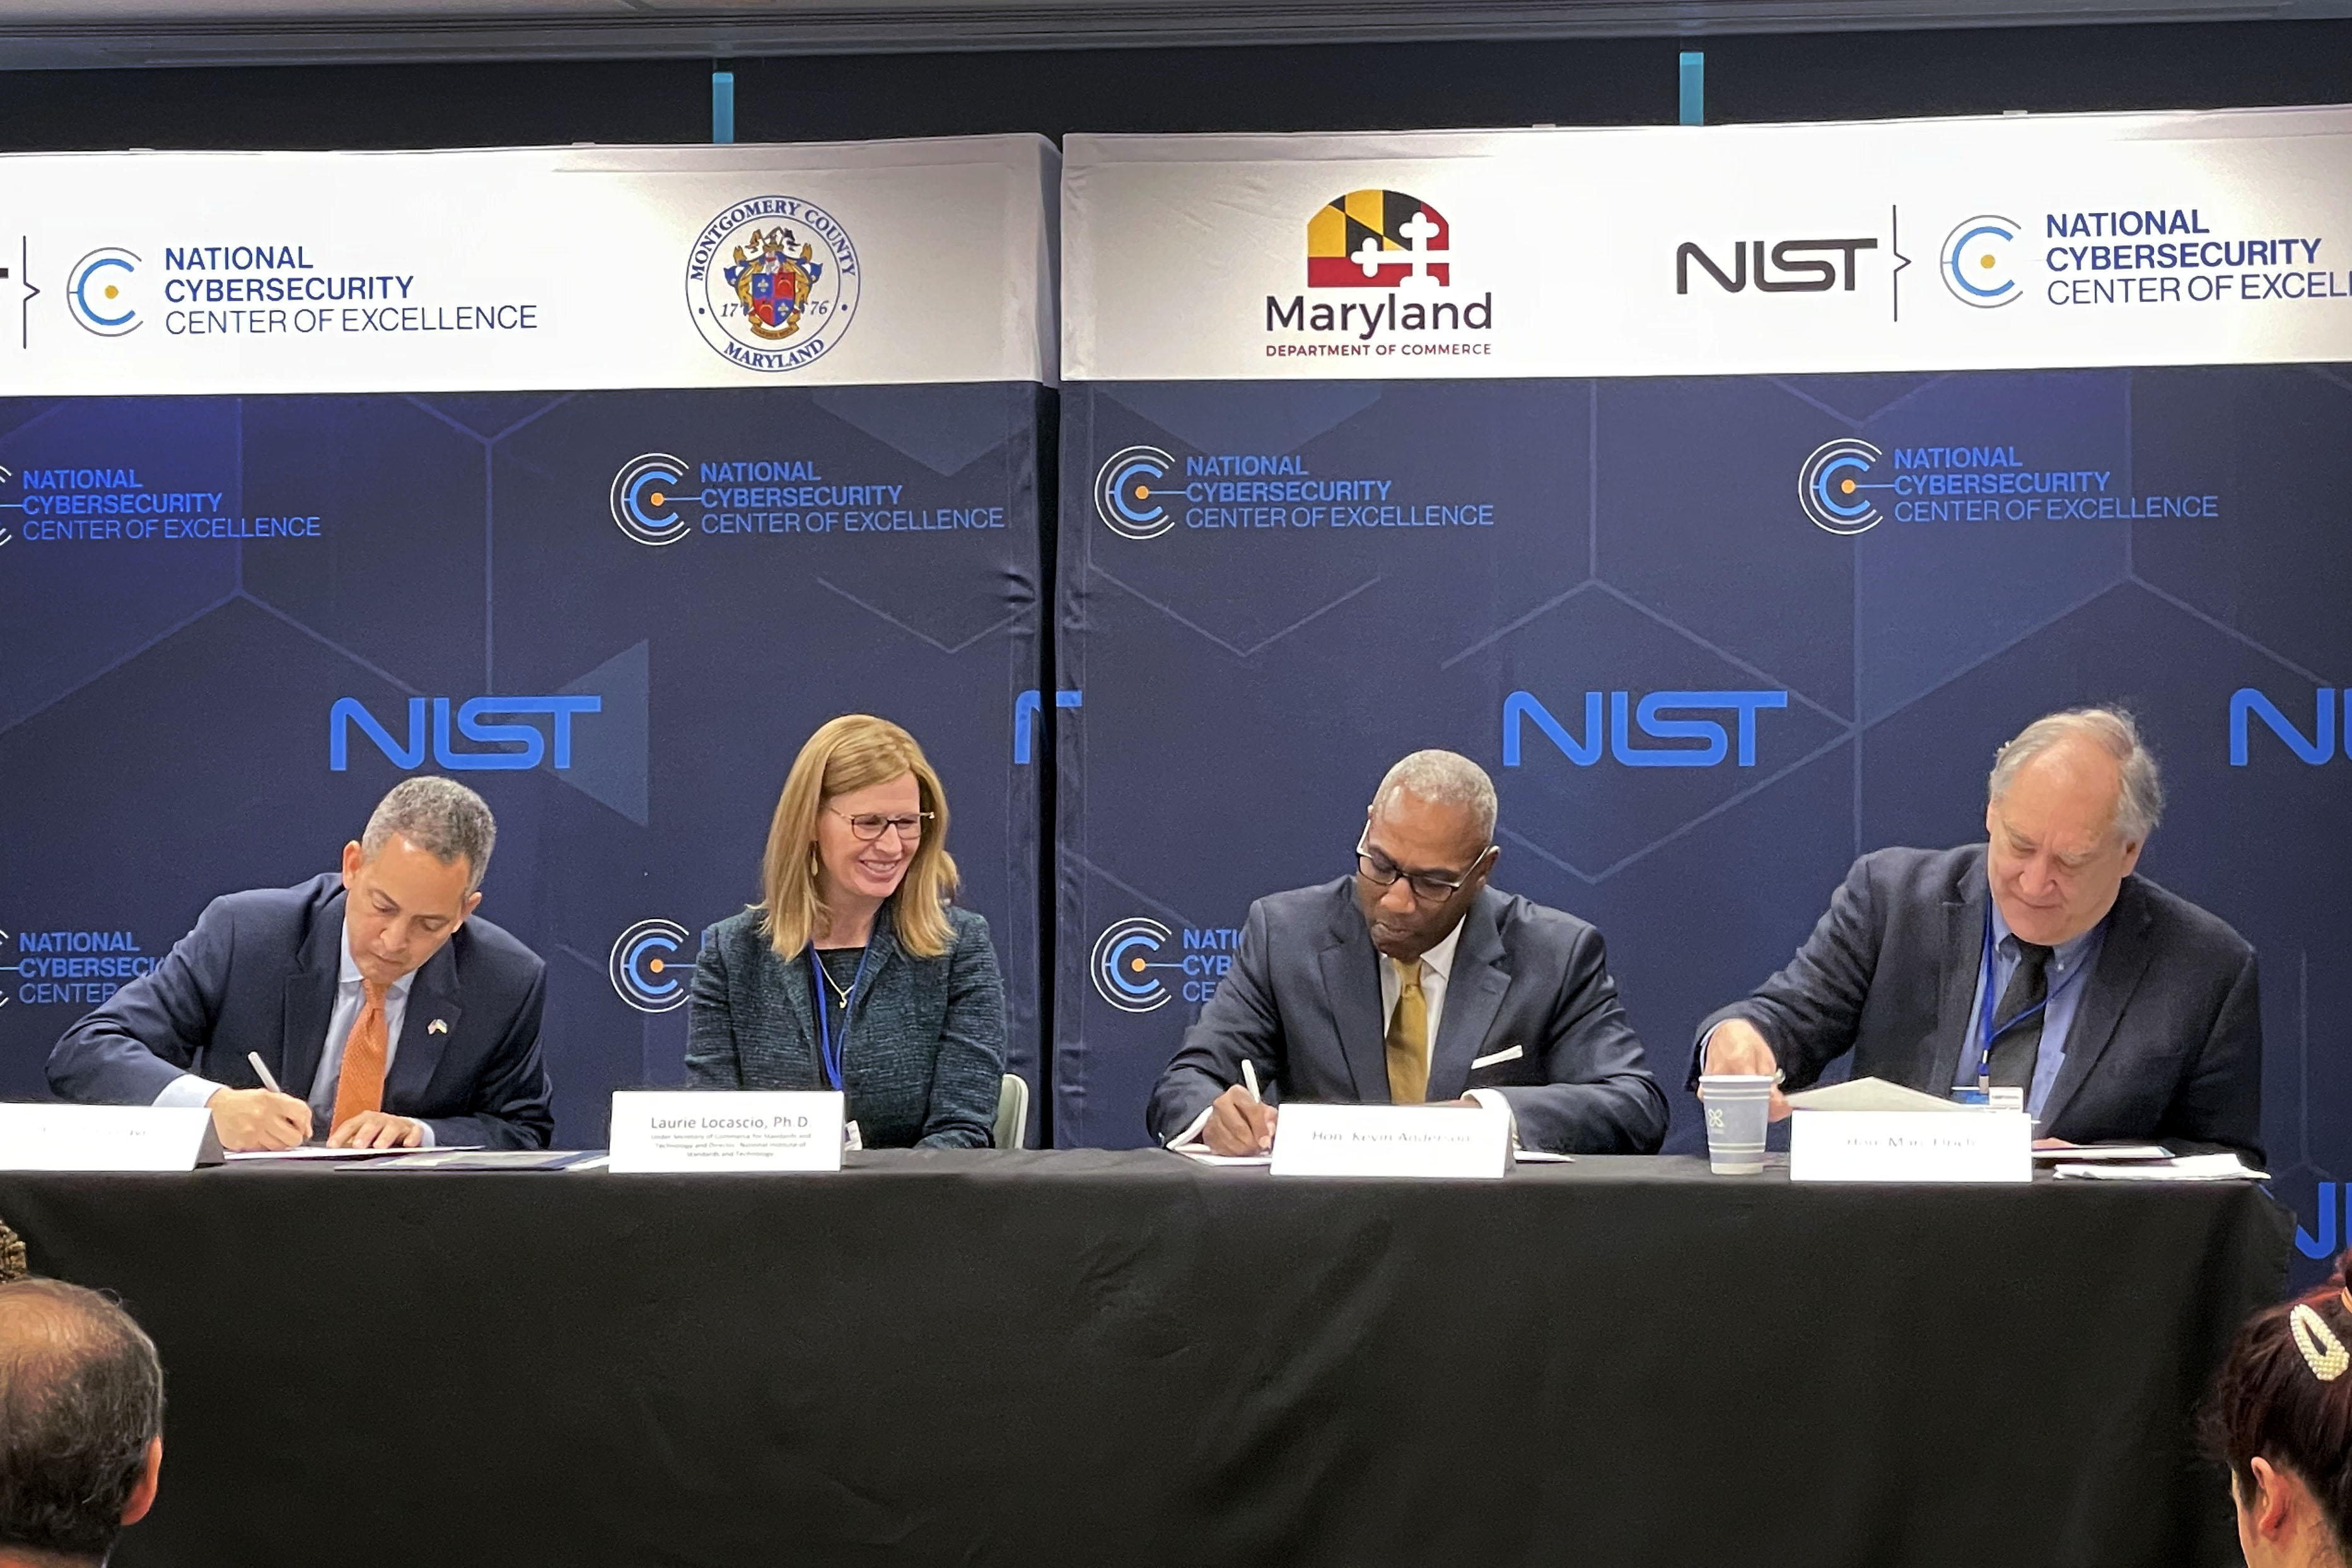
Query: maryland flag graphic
pixel 1376 239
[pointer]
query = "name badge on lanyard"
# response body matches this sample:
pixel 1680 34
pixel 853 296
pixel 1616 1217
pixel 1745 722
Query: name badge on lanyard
pixel 830 1051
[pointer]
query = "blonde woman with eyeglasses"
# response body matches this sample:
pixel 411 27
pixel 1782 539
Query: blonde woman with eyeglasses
pixel 855 972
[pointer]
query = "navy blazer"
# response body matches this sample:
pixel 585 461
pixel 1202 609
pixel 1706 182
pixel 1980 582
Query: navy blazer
pixel 258 973
pixel 2166 1044
pixel 925 1052
pixel 1530 1011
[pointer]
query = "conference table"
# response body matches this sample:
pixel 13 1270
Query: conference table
pixel 1126 1357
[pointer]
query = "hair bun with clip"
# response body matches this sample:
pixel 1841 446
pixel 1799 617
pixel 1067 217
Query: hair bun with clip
pixel 2325 1352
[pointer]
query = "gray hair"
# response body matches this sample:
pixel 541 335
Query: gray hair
pixel 81 1397
pixel 439 816
pixel 2138 808
pixel 1445 779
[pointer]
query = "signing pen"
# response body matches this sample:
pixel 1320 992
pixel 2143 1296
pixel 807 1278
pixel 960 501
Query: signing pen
pixel 268 1079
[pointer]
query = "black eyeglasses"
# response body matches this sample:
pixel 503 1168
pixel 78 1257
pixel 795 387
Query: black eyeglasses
pixel 868 825
pixel 1425 887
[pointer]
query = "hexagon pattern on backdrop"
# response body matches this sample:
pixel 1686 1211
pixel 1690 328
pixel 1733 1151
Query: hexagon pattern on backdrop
pixel 165 705
pixel 1244 687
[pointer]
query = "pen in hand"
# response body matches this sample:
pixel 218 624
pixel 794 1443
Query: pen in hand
pixel 268 1078
pixel 1261 1142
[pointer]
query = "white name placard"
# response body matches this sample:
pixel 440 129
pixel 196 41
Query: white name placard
pixel 106 1138
pixel 1448 1141
pixel 1911 1145
pixel 724 1130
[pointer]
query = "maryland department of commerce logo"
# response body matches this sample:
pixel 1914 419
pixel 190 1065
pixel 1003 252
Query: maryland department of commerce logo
pixel 1127 495
pixel 645 967
pixel 1378 239
pixel 773 282
pixel 1834 487
pixel 1122 965
pixel 644 499
pixel 98 292
pixel 1979 261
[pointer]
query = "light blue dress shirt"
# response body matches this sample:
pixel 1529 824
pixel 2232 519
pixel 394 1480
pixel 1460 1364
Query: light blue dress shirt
pixel 2066 962
pixel 350 995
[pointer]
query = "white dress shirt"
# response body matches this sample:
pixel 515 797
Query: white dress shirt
pixel 1436 972
pixel 350 995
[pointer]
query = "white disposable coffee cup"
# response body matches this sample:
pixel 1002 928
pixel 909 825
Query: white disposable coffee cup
pixel 1737 1106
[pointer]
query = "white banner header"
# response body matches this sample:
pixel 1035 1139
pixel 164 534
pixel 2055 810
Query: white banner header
pixel 2009 243
pixel 550 268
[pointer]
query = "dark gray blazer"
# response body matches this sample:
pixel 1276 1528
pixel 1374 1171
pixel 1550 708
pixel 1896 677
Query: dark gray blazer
pixel 926 1053
pixel 1303 998
pixel 258 973
pixel 2166 1044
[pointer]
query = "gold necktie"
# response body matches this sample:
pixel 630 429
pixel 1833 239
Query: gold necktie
pixel 361 1087
pixel 1408 1042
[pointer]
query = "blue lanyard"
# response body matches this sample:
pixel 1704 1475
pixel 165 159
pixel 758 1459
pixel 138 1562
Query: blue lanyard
pixel 1985 1030
pixel 831 1055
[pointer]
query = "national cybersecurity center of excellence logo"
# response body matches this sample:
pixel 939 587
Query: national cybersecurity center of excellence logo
pixel 1833 486
pixel 100 295
pixel 1124 957
pixel 644 497
pixel 1129 496
pixel 645 967
pixel 1977 262
pixel 773 282
pixel 1139 966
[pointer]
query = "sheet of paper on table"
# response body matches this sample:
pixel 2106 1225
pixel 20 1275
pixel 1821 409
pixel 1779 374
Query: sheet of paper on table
pixel 2187 1167
pixel 480 1159
pixel 1869 1095
pixel 1523 1156
pixel 321 1151
pixel 2086 1153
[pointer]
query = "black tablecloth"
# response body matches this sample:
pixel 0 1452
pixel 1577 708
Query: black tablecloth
pixel 1125 1358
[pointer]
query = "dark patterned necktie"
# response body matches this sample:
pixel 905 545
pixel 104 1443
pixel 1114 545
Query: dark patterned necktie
pixel 2017 1044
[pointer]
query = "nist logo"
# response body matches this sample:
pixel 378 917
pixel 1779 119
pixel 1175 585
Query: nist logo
pixel 2246 702
pixel 474 717
pixel 1521 708
pixel 1786 266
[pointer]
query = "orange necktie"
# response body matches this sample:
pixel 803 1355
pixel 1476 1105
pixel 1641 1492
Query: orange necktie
pixel 361 1088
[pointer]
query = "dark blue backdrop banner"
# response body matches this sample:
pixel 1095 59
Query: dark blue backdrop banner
pixel 617 615
pixel 1699 702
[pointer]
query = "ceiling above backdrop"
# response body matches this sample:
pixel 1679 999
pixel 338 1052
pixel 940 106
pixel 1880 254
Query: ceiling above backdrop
pixel 118 33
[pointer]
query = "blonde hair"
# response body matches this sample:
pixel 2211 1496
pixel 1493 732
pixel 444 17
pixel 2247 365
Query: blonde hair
pixel 854 752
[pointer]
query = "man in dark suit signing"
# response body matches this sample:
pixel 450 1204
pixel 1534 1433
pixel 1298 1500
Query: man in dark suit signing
pixel 2036 961
pixel 1413 982
pixel 389 1019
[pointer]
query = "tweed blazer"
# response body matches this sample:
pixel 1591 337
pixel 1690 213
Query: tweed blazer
pixel 925 1056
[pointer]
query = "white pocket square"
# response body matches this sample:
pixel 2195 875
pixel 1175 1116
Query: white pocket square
pixel 1508 1053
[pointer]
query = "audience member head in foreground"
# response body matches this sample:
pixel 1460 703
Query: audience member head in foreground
pixel 81 1424
pixel 2280 1418
pixel 853 971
